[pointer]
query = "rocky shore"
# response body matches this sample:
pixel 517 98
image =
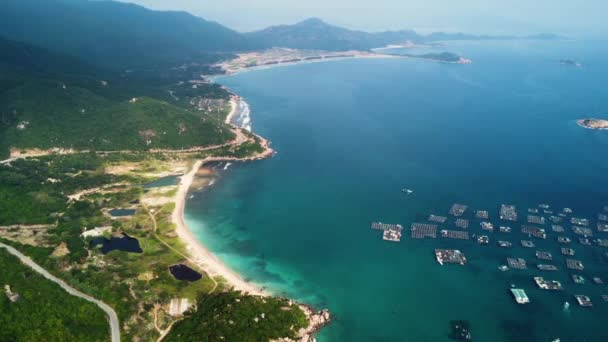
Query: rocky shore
pixel 593 123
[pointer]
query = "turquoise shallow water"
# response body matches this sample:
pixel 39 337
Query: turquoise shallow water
pixel 351 134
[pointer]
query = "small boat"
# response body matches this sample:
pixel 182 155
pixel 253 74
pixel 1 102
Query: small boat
pixel 503 268
pixel 407 191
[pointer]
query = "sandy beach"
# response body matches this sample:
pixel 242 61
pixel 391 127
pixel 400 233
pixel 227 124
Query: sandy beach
pixel 201 255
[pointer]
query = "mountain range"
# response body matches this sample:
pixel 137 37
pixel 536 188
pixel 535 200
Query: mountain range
pixel 121 36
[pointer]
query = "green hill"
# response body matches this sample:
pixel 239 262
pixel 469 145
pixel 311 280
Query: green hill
pixel 117 35
pixel 52 100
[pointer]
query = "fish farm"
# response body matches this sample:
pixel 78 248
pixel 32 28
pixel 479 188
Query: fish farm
pixel 550 236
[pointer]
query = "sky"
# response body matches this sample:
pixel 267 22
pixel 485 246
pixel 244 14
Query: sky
pixel 569 17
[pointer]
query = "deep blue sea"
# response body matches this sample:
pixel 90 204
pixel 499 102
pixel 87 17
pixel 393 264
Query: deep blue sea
pixel 351 134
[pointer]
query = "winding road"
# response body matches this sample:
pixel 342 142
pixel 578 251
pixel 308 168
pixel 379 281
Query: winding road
pixel 113 318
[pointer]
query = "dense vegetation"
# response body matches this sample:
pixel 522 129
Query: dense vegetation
pixel 44 311
pixel 232 316
pixel 117 35
pixel 51 100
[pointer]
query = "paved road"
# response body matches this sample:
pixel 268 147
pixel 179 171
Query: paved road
pixel 114 325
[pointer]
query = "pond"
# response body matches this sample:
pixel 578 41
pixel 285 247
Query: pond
pixel 164 181
pixel 183 272
pixel 124 243
pixel 118 212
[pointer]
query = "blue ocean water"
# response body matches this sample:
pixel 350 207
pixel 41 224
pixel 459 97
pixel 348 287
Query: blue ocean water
pixel 351 134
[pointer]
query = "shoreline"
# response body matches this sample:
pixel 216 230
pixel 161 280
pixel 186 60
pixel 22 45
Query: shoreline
pixel 228 73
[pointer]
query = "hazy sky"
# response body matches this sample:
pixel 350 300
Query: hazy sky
pixel 575 17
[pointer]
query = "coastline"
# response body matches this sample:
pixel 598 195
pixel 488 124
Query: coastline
pixel 211 264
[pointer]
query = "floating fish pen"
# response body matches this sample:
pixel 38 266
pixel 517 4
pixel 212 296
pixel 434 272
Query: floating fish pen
pixel 450 256
pixel 534 231
pixel 584 241
pixel 505 244
pixel 562 215
pixel 548 212
pixel 567 211
pixel 544 206
pixel 602 217
pixel 504 229
pixel 386 226
pixel 487 226
pixel 482 214
pixel 567 251
pixel 392 235
pixel 556 219
pixel 563 239
pixel 543 255
pixel 583 300
pixel 578 279
pixel 533 210
pixel 552 285
pixel 455 234
pixel 602 227
pixel 582 231
pixel 520 296
pixel 575 264
pixel 508 213
pixel 527 244
pixel 462 223
pixel 534 219
pixel 598 280
pixel 483 240
pixel 579 221
pixel 546 267
pixel 518 263
pixel 458 209
pixel 557 228
pixel 424 230
pixel 602 242
pixel 436 218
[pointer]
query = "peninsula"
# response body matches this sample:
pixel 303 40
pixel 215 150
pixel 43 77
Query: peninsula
pixel 599 124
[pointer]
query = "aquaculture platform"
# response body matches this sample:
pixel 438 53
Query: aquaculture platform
pixel 437 219
pixel 518 263
pixel 458 209
pixel 508 213
pixel 575 264
pixel 546 267
pixel 548 284
pixel 534 231
pixel 450 256
pixel 424 230
pixel 462 223
pixel 455 234
pixel 520 296
pixel 544 255
pixel 583 300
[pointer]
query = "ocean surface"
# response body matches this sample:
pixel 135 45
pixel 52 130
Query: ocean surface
pixel 351 134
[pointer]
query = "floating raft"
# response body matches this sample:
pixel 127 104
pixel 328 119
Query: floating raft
pixel 567 251
pixel 518 263
pixel 462 223
pixel 536 219
pixel 546 267
pixel 436 218
pixel 602 217
pixel 555 219
pixel 563 239
pixel 458 209
pixel 602 242
pixel 450 256
pixel 542 255
pixel 602 227
pixel 582 231
pixel 534 231
pixel 575 264
pixel 584 241
pixel 508 213
pixel 527 244
pixel 579 221
pixel 520 296
pixel 578 279
pixel 557 228
pixel 424 230
pixel 548 284
pixel 455 234
pixel 392 235
pixel 487 226
pixel 504 229
pixel 505 244
pixel 598 280
pixel 583 300
pixel 386 226
pixel 482 214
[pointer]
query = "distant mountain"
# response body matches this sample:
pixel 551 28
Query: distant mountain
pixel 316 34
pixel 117 35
